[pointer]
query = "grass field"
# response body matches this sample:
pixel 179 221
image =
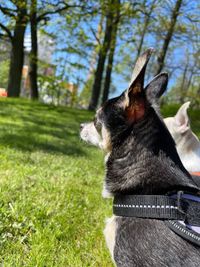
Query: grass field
pixel 51 210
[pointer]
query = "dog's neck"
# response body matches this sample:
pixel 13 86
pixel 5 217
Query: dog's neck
pixel 146 161
pixel 188 142
pixel 188 148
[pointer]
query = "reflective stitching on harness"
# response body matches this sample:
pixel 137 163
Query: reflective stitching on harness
pixel 186 232
pixel 145 206
pixel 182 216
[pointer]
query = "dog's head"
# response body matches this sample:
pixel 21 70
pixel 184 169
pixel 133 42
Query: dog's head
pixel 179 124
pixel 142 153
pixel 117 115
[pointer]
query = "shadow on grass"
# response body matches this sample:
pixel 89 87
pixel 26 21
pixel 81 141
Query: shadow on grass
pixel 31 127
pixel 22 142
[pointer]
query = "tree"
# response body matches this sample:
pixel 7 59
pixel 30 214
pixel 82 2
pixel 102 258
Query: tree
pixel 96 89
pixel 186 87
pixel 147 18
pixel 86 92
pixel 111 53
pixel 15 12
pixel 39 13
pixel 33 58
pixel 168 36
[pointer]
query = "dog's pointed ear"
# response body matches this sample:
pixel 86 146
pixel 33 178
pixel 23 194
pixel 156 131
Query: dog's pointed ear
pixel 137 79
pixel 155 89
pixel 182 119
pixel 134 96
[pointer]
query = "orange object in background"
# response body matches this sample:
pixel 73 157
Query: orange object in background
pixel 3 92
pixel 195 173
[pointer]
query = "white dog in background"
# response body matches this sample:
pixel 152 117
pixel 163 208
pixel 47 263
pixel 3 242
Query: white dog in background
pixel 187 143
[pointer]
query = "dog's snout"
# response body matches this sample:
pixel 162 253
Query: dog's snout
pixel 81 126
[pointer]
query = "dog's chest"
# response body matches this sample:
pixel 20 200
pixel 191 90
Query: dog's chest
pixel 110 234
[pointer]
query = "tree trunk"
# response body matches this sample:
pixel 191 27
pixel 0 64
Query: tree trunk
pixel 34 51
pixel 191 74
pixel 144 30
pixel 17 54
pixel 108 72
pixel 86 92
pixel 101 60
pixel 111 55
pixel 96 49
pixel 168 37
pixel 182 85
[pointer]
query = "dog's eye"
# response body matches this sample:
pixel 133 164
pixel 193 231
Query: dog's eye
pixel 97 124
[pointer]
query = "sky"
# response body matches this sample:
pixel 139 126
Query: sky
pixel 175 57
pixel 67 38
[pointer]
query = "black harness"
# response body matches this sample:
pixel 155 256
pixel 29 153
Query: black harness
pixel 180 211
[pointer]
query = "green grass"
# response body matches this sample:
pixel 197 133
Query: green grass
pixel 51 209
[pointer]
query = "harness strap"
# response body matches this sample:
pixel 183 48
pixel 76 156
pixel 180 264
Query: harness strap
pixel 184 232
pixel 175 207
pixel 180 212
pixel 147 206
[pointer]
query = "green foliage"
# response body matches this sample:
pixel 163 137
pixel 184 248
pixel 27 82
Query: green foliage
pixel 55 91
pixel 4 69
pixel 50 89
pixel 78 28
pixel 86 93
pixel 179 94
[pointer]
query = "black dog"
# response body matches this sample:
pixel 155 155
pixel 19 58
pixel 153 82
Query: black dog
pixel 142 160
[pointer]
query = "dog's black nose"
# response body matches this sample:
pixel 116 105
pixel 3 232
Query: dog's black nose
pixel 81 126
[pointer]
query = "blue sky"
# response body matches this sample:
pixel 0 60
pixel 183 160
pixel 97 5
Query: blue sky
pixel 66 38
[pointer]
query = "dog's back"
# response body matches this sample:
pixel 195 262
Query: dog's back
pixel 149 243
